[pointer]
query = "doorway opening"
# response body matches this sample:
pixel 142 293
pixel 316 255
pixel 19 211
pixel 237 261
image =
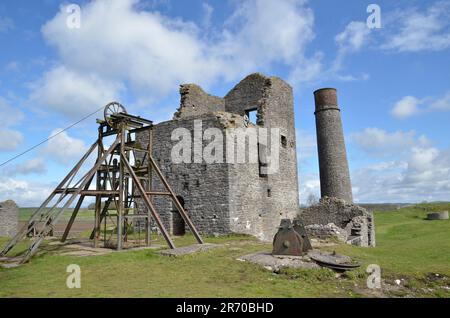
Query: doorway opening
pixel 178 224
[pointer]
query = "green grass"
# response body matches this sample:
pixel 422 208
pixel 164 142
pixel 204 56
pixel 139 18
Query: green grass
pixel 408 247
pixel 83 214
pixel 407 243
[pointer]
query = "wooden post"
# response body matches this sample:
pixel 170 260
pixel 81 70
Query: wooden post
pixel 149 184
pixel 121 189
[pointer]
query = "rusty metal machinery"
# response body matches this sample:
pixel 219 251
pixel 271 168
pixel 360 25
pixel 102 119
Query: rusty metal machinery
pixel 300 229
pixel 122 172
pixel 337 262
pixel 288 241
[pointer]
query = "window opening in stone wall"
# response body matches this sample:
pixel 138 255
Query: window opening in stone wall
pixel 284 141
pixel 252 115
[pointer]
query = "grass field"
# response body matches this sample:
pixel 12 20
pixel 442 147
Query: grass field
pixel 83 214
pixel 409 248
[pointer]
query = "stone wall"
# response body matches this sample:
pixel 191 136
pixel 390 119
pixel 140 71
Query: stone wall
pixel 195 102
pixel 247 95
pixel 355 221
pixel 224 198
pixel 9 218
pixel 327 231
pixel 273 196
pixel 203 187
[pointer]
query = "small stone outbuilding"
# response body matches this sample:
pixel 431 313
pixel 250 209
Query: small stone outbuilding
pixel 347 222
pixel 9 218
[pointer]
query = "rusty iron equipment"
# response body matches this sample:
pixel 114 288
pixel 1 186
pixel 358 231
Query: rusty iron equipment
pixel 287 241
pixel 337 262
pixel 123 172
pixel 300 229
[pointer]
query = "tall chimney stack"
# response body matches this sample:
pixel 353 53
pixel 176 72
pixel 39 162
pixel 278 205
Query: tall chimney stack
pixel 334 173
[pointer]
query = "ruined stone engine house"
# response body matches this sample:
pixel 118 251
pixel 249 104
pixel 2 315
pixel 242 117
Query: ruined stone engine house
pixel 223 197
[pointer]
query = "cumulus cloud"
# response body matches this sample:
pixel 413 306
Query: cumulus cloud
pixel 379 142
pixel 151 54
pixel 266 31
pixel 309 185
pixel 415 31
pixel 24 193
pixel 208 11
pixel 418 171
pixel 64 148
pixel 406 107
pixel 72 93
pixel 410 106
pixel 33 166
pixel 423 175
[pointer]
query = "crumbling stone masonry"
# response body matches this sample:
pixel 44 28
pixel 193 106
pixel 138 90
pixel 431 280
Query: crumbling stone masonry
pixel 335 215
pixel 333 165
pixel 9 218
pixel 347 222
pixel 221 197
pixel 438 215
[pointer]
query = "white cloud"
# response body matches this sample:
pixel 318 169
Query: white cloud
pixel 351 40
pixel 406 107
pixel 33 166
pixel 354 37
pixel 72 93
pixel 64 148
pixel 24 193
pixel 208 11
pixel 261 31
pixel 423 175
pixel 441 103
pixel 381 143
pixel 421 31
pixel 309 185
pixel 418 172
pixel 151 54
pixel 409 106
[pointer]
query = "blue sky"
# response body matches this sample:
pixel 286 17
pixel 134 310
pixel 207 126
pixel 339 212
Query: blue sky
pixel 393 82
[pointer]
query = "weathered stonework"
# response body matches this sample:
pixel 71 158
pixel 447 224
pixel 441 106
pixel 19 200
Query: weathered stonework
pixel 327 231
pixel 221 197
pixel 333 165
pixel 333 217
pixel 9 218
pixel 438 215
pixel 194 101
